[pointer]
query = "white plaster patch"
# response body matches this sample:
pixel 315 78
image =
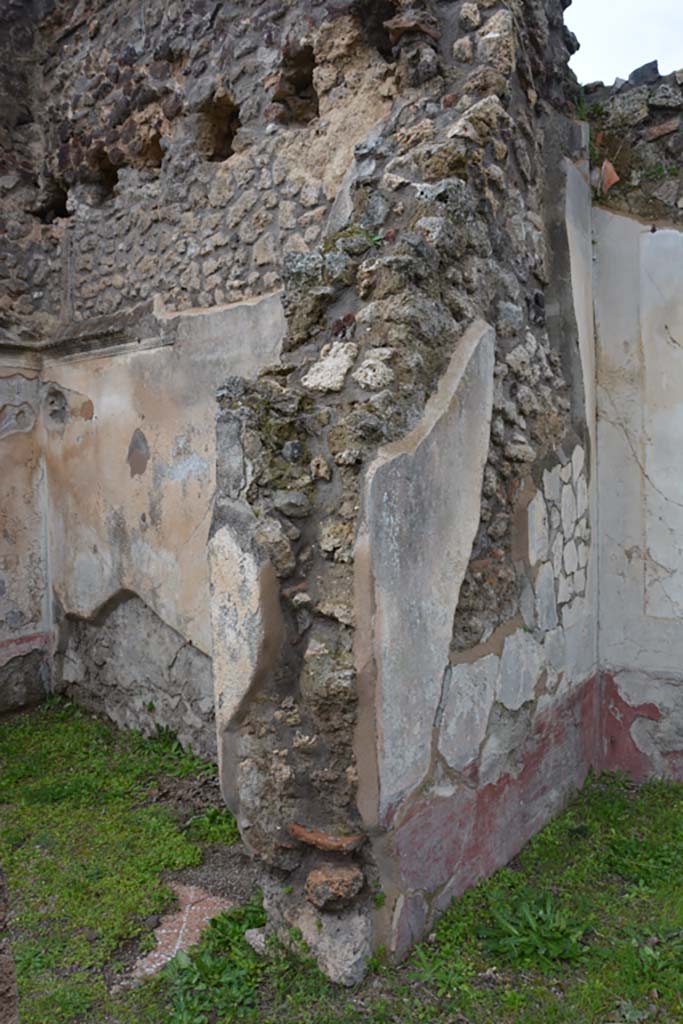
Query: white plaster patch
pixel 578 460
pixel 537 519
pixel 470 696
pixel 570 558
pixel 186 468
pixel 520 667
pixel 555 650
pixel 572 613
pixel 551 484
pixel 556 554
pixel 662 332
pixel 568 510
pixel 581 497
pixel 149 533
pixel 546 606
pixel 639 311
pixel 506 737
pixel 245 623
pixel 655 738
pixel 527 604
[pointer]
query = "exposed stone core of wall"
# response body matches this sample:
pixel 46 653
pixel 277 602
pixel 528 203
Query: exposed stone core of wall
pixel 307 289
pixel 136 670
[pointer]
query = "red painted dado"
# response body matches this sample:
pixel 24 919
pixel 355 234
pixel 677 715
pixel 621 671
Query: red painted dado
pixel 448 843
pixel 461 838
pixel 619 751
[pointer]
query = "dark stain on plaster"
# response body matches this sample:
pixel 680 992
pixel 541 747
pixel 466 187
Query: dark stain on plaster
pixel 138 453
pixel 61 405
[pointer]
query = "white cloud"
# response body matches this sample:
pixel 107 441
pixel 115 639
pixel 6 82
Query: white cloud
pixel 618 36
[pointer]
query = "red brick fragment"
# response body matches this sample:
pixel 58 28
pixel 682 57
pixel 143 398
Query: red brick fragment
pixel 325 841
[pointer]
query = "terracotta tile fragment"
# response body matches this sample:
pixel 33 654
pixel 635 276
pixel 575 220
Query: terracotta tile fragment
pixel 325 841
pixel 608 177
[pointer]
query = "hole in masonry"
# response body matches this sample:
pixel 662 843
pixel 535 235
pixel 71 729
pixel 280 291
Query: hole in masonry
pixel 104 173
pixel 295 92
pixel 151 151
pixel 372 14
pixel 54 202
pixel 219 121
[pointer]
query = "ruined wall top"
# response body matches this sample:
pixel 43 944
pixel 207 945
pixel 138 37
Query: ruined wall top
pixel 181 151
pixel 637 143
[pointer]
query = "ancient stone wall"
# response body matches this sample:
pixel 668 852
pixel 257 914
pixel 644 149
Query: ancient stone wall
pixel 178 156
pixel 426 690
pixel 170 159
pixel 300 381
pixel 406 502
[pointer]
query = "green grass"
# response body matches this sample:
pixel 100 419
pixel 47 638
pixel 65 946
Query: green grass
pixel 83 850
pixel 586 927
pixel 214 825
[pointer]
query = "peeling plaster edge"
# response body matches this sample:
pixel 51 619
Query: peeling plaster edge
pixel 161 313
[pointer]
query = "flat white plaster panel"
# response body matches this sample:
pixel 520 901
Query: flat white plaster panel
pixel 661 316
pixel 421 514
pixel 631 312
pixel 245 616
pixel 469 698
